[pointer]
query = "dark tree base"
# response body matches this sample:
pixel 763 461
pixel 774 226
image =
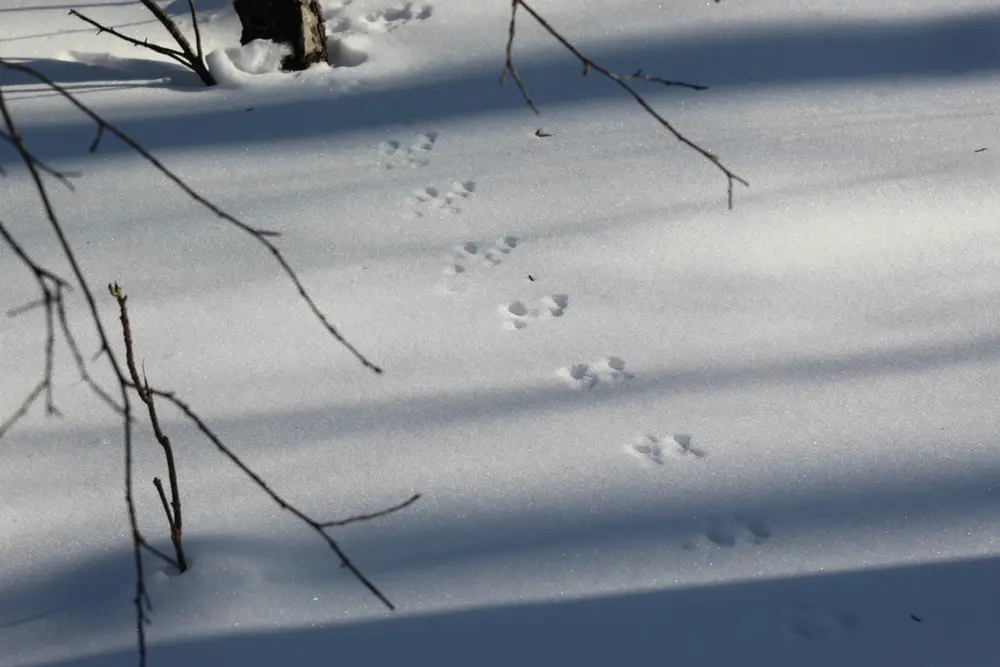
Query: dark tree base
pixel 297 23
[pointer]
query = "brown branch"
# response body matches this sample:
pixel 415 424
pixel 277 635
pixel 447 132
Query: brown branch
pixel 142 389
pixel 197 31
pixel 619 79
pixel 185 56
pixel 166 507
pixel 374 515
pixel 156 48
pixel 317 526
pixel 52 289
pixel 196 61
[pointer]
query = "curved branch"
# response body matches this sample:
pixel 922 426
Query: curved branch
pixel 622 80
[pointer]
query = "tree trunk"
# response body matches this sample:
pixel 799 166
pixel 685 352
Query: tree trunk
pixel 297 23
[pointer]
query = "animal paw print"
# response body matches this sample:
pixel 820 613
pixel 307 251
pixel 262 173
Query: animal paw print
pixel 735 530
pixel 650 449
pixel 811 623
pixel 392 153
pixel 431 198
pixel 387 20
pixel 468 255
pixel 517 314
pixel 607 371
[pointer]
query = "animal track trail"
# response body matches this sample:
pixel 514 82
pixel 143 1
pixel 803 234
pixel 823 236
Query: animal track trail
pixel 609 371
pixel 652 450
pixel 815 624
pixel 517 315
pixel 468 256
pixel 393 154
pixel 394 17
pixel 432 198
pixel 347 39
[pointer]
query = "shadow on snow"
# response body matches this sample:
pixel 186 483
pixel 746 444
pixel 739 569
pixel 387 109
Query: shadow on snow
pixel 801 54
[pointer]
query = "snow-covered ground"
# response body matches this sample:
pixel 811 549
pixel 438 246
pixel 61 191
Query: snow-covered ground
pixel 646 428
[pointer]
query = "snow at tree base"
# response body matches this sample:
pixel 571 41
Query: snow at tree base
pixel 646 429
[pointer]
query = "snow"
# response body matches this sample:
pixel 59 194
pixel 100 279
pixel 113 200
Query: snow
pixel 645 428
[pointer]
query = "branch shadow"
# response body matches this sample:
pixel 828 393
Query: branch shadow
pixel 89 70
pixel 460 407
pixel 76 5
pixel 821 53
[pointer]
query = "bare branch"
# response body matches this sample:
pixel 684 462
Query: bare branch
pixel 317 526
pixel 194 61
pixel 374 515
pixel 52 289
pixel 142 389
pixel 162 50
pixel 621 80
pixel 197 31
pixel 509 67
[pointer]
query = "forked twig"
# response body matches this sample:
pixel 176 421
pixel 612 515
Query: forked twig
pixel 173 509
pixel 185 55
pixel 317 526
pixel 622 80
pixel 52 289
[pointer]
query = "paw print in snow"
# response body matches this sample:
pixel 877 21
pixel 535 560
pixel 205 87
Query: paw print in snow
pixel 651 449
pixel 517 314
pixel 386 20
pixel 468 255
pixel 607 371
pixel 431 198
pixel 392 153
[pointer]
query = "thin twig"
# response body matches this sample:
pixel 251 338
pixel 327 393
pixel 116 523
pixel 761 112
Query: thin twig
pixel 162 50
pixel 374 515
pixel 52 289
pixel 166 507
pixel 195 59
pixel 184 55
pixel 197 31
pixel 621 80
pixel 142 389
pixel 317 526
